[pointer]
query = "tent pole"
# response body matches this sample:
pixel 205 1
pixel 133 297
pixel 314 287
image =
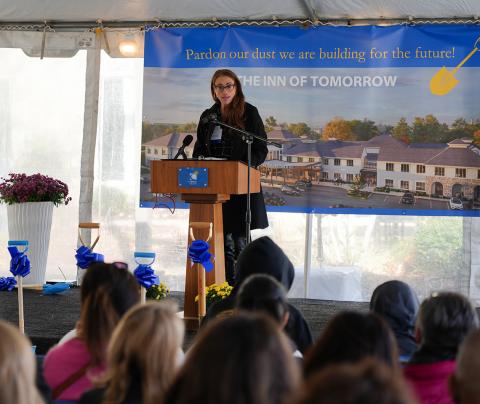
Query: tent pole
pixel 92 79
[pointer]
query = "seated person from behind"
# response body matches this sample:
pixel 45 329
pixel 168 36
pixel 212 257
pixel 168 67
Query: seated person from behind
pixel 368 381
pixel 350 337
pixel 142 357
pixel 263 256
pixel 444 320
pixel 464 385
pixel 107 292
pixel 264 294
pixel 397 304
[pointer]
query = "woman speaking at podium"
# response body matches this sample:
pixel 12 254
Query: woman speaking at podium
pixel 214 141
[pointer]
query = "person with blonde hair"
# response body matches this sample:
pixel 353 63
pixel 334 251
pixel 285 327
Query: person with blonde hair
pixel 17 368
pixel 142 357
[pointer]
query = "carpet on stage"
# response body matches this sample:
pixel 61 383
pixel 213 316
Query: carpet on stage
pixel 48 318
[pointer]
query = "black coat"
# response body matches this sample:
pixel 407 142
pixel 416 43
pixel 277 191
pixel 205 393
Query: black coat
pixel 264 256
pixel 397 303
pixel 235 208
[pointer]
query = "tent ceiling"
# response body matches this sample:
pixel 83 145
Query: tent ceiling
pixel 197 10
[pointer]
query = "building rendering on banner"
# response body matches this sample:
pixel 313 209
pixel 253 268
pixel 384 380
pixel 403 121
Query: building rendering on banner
pixel 437 169
pixel 440 169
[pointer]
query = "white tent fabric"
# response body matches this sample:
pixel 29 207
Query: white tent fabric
pixel 195 10
pixel 67 44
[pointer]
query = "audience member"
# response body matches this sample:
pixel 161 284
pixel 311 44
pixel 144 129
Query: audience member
pixel 107 292
pixel 397 304
pixel 142 357
pixel 444 319
pixel 17 368
pixel 239 359
pixel 263 293
pixel 464 384
pixel 366 382
pixel 263 256
pixel 350 337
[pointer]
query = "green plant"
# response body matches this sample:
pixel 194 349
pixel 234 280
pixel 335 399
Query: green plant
pixel 215 293
pixel 158 292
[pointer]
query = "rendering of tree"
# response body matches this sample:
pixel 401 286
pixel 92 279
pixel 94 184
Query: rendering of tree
pixel 476 137
pixel 187 127
pixel 364 130
pixel 402 131
pixel 428 130
pixel 338 128
pixel 300 129
pixel 271 121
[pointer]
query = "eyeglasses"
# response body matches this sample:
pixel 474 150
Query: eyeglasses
pixel 227 87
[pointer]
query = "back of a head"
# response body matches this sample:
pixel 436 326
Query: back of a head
pixel 444 319
pixel 350 337
pixel 108 291
pixel 263 293
pixel 397 304
pixel 17 367
pixel 244 358
pixel 366 382
pixel 144 351
pixel 263 256
pixel 464 383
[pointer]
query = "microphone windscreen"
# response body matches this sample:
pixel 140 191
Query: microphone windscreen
pixel 187 140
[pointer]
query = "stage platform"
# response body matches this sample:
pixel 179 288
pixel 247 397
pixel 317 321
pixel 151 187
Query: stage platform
pixel 48 318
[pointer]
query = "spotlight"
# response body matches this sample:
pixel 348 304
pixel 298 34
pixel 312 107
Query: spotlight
pixel 128 46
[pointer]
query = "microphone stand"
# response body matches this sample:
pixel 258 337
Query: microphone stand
pixel 247 137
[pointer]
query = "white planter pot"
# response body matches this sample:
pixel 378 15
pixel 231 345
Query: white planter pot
pixel 32 221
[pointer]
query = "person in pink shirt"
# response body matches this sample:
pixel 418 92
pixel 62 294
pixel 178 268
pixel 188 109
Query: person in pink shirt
pixel 107 292
pixel 444 320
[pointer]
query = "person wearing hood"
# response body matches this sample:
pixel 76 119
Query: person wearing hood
pixel 263 256
pixel 398 304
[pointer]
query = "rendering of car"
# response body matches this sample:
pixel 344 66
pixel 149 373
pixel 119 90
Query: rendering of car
pixel 306 181
pixel 408 198
pixel 288 190
pixel 455 204
pixel 300 186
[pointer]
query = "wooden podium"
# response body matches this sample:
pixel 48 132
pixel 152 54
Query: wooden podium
pixel 225 178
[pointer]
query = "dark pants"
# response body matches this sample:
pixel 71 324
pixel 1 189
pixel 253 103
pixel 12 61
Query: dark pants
pixel 234 243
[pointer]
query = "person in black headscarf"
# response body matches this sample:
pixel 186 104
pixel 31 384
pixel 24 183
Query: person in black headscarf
pixel 397 303
pixel 263 256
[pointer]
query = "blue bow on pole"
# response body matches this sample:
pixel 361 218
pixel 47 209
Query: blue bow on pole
pixel 19 264
pixel 7 283
pixel 145 276
pixel 85 257
pixel 199 254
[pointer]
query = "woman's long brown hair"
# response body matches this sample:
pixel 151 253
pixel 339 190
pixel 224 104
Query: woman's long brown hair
pixel 234 112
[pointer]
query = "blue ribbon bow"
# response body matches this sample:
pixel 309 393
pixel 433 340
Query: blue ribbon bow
pixel 145 276
pixel 199 254
pixel 85 257
pixel 19 264
pixel 7 283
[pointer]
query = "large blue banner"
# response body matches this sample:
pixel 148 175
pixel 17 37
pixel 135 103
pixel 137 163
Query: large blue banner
pixel 380 120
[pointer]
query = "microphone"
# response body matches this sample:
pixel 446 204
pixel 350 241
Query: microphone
pixel 186 141
pixel 209 118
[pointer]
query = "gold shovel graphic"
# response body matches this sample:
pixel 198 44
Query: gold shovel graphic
pixel 444 81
